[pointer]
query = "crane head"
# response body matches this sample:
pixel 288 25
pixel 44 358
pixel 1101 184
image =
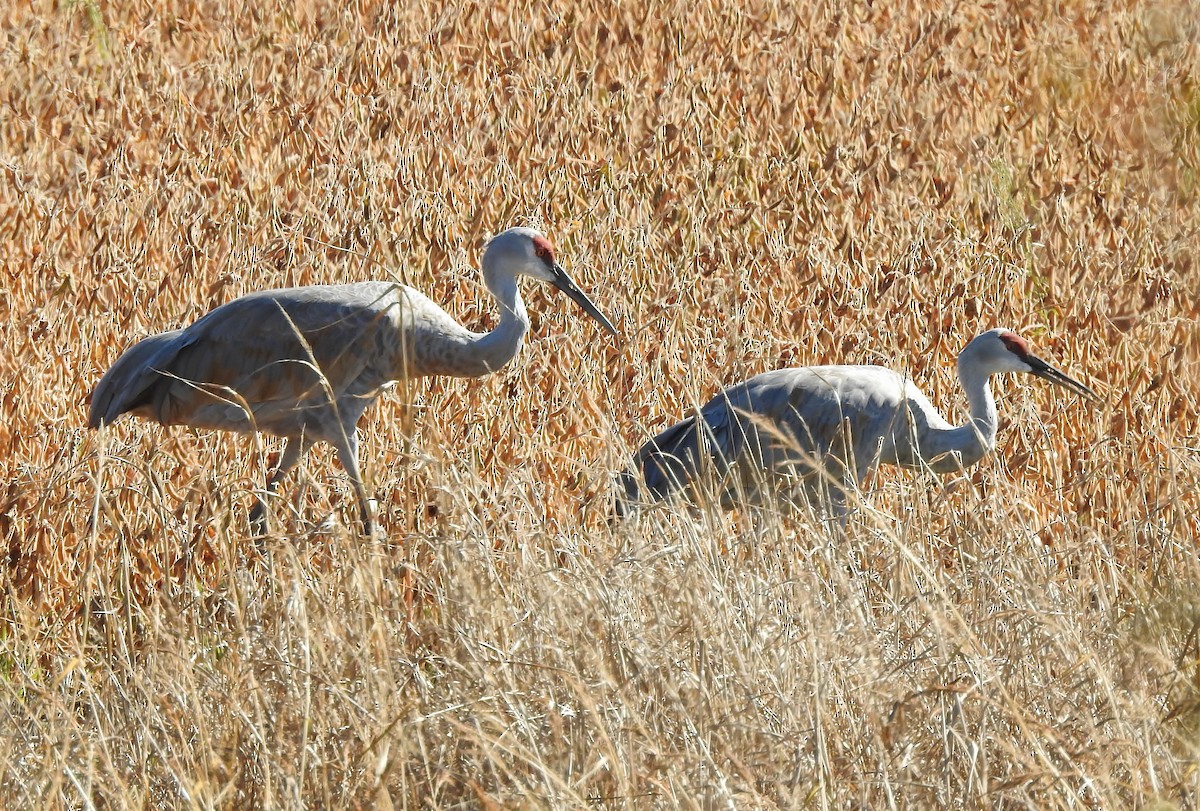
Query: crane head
pixel 526 252
pixel 1002 350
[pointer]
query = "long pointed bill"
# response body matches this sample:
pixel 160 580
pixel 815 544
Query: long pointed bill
pixel 1040 368
pixel 564 283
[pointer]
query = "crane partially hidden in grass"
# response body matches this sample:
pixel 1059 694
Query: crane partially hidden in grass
pixel 304 363
pixel 824 428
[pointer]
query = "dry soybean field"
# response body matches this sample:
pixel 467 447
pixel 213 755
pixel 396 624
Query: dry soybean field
pixel 739 187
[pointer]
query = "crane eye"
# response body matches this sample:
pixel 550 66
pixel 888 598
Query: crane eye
pixel 542 250
pixel 1016 344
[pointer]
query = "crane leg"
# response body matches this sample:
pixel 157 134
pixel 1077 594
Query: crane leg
pixel 293 451
pixel 347 451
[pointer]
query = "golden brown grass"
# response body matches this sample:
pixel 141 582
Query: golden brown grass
pixel 741 189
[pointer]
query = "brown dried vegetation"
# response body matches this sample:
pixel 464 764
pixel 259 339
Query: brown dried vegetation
pixel 741 188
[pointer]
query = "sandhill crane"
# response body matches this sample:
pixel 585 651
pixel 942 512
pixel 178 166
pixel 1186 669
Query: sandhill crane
pixel 304 363
pixel 826 427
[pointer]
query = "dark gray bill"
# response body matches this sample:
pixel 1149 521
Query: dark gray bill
pixel 1047 372
pixel 564 283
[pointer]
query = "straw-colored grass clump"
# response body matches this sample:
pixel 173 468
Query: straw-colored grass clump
pixel 741 188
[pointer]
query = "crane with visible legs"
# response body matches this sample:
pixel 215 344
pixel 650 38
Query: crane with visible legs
pixel 304 363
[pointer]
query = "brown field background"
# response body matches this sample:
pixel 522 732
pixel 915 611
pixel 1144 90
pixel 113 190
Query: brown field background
pixel 739 188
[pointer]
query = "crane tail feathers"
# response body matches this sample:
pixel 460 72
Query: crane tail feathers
pixel 127 383
pixel 676 457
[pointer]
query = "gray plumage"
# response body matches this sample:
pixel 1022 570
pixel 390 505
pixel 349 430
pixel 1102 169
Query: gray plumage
pixel 304 363
pixel 824 428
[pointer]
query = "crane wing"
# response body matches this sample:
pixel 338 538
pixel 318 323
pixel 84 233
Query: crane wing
pixel 835 421
pixel 725 431
pixel 128 378
pixel 843 420
pixel 674 457
pixel 265 361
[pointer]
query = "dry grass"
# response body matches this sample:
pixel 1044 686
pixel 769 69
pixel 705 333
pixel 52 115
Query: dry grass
pixel 740 189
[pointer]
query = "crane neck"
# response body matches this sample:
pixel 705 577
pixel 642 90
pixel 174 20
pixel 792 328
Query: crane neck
pixel 977 436
pixel 492 350
pixel 953 448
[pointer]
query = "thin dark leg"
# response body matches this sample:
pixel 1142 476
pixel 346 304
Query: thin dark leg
pixel 293 451
pixel 347 450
